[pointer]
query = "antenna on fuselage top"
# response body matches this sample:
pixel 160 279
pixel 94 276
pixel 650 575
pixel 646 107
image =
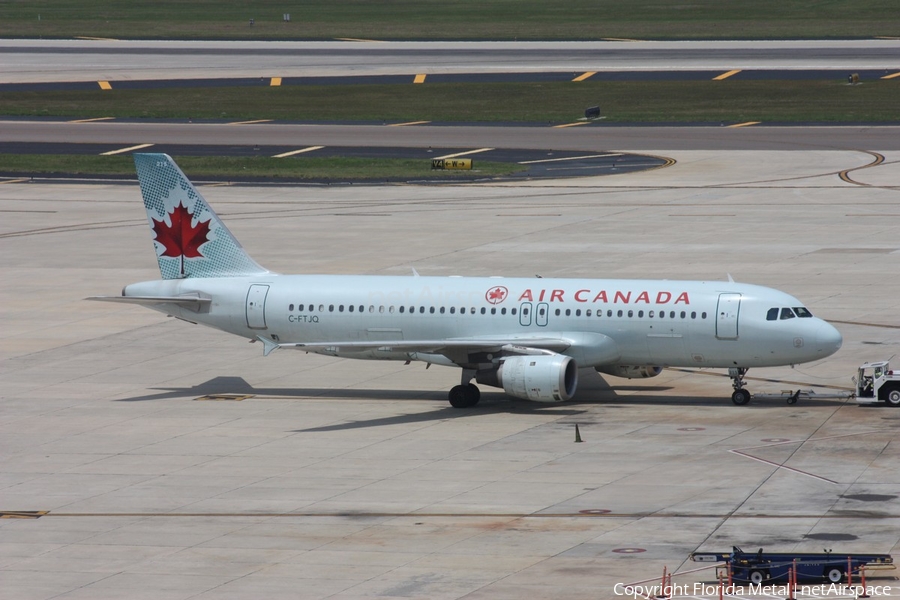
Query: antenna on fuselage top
pixel 415 273
pixel 730 278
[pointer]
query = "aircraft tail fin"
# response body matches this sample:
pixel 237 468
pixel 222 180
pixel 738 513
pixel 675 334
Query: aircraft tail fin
pixel 189 238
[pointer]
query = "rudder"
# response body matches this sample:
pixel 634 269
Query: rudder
pixel 189 238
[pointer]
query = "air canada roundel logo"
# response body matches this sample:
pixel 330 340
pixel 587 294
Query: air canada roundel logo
pixel 496 294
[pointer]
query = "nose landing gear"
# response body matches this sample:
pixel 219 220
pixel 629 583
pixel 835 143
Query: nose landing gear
pixel 740 396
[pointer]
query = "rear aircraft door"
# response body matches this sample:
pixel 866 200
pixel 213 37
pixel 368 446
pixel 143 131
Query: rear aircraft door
pixel 727 316
pixel 256 306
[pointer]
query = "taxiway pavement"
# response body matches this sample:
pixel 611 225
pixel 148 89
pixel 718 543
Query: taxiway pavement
pixel 341 479
pixel 589 137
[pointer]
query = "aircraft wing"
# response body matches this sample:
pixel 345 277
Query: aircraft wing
pixel 585 347
pixel 431 346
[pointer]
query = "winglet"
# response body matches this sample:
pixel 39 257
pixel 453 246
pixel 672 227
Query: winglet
pixel 268 345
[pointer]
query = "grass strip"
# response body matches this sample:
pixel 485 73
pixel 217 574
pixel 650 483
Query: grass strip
pixel 252 168
pixel 449 19
pixel 625 101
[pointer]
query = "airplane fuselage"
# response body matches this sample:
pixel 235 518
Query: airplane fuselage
pixel 659 323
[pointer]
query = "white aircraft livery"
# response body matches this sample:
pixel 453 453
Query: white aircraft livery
pixel 527 336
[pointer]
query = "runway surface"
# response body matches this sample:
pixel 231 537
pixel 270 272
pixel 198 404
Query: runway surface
pixel 44 61
pixel 142 456
pixel 506 77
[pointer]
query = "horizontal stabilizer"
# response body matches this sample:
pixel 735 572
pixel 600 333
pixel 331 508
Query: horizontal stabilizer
pixel 192 301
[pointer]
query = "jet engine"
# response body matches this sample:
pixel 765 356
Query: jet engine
pixel 629 371
pixel 541 378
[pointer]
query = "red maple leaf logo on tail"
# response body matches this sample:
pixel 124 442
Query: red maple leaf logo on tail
pixel 181 239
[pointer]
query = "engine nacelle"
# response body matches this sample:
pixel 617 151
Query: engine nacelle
pixel 541 378
pixel 630 371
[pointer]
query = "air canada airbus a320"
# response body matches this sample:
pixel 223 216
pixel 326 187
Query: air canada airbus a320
pixel 527 336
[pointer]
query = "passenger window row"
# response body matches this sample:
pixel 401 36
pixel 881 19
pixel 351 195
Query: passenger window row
pixel 630 314
pixel 568 312
pixel 311 308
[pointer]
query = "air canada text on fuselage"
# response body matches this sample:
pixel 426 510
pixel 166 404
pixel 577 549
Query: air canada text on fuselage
pixel 499 295
pixel 605 296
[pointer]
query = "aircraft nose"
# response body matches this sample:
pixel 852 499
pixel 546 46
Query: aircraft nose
pixel 828 339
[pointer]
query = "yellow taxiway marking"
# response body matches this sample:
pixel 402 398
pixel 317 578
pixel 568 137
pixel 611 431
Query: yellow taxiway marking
pixel 225 397
pixel 275 82
pixel 584 76
pixel 300 151
pixel 570 125
pixel 86 37
pixel 359 40
pixel 20 180
pixel 104 85
pixel 548 160
pixel 408 123
pixel 747 124
pixel 92 120
pixel 250 122
pixel 726 75
pixel 420 78
pixel 468 152
pixel 891 76
pixel 470 515
pixel 22 514
pixel 123 150
pixel 845 174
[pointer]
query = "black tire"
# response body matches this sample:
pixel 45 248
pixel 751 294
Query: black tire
pixel 476 393
pixel 461 396
pixel 834 574
pixel 893 397
pixel 756 577
pixel 740 397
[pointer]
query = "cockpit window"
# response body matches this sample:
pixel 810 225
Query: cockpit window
pixel 802 312
pixel 787 313
pixel 772 315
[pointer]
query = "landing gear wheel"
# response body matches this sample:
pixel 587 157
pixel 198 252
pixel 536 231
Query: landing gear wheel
pixel 834 575
pixel 893 397
pixel 464 396
pixel 476 393
pixel 740 397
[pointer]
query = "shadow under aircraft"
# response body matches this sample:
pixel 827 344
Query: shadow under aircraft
pixel 594 392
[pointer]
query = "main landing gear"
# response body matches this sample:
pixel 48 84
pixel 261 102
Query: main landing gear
pixel 740 396
pixel 466 394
